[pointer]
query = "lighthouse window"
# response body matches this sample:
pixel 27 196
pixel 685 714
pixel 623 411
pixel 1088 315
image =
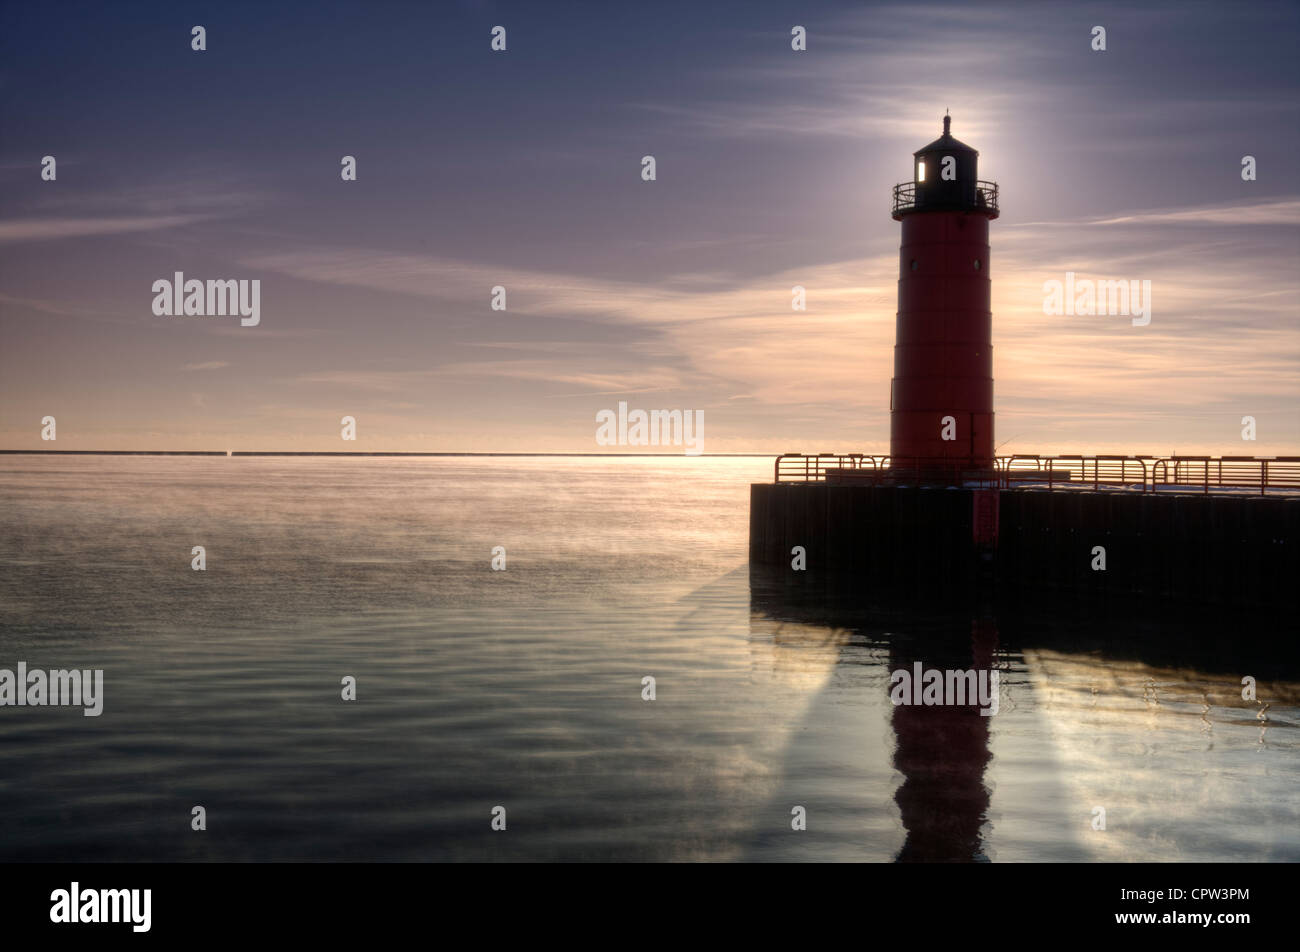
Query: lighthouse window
pixel 920 171
pixel 913 264
pixel 977 264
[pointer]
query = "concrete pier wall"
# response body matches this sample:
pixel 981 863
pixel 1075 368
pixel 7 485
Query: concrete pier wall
pixel 1210 549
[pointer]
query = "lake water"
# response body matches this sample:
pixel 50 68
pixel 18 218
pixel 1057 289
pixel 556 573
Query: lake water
pixel 523 688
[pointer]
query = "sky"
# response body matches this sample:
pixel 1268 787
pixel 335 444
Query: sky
pixel 523 169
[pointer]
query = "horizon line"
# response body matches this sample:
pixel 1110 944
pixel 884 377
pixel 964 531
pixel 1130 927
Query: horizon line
pixel 351 453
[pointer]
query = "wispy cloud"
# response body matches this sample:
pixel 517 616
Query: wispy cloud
pixel 46 229
pixel 144 208
pixel 1278 212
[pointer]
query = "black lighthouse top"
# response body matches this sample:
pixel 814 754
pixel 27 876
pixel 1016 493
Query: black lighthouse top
pixel 945 178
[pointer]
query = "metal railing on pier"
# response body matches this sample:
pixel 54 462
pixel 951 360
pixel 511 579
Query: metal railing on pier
pixel 1205 474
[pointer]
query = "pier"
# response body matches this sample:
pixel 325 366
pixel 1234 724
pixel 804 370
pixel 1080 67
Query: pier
pixel 941 516
pixel 1198 530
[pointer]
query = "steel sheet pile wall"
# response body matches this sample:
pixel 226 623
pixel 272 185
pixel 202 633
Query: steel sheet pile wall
pixel 1221 550
pixel 913 539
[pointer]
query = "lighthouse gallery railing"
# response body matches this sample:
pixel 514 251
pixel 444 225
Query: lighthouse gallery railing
pixel 986 197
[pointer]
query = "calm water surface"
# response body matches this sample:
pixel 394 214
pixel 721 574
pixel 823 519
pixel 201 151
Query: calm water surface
pixel 523 688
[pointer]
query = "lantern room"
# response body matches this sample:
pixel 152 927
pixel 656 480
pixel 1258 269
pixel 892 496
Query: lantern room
pixel 945 177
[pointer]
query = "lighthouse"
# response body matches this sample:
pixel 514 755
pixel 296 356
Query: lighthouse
pixel 941 396
pixel 942 517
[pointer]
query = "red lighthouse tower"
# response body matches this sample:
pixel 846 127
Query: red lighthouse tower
pixel 941 404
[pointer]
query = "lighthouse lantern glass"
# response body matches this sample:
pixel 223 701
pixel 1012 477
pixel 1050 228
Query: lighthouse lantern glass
pixel 920 171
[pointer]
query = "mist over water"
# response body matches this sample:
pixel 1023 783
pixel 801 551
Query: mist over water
pixel 522 688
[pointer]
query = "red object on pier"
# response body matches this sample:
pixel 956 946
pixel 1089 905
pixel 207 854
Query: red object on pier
pixel 941 401
pixel 984 516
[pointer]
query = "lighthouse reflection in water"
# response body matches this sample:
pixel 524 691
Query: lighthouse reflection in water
pixel 1117 737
